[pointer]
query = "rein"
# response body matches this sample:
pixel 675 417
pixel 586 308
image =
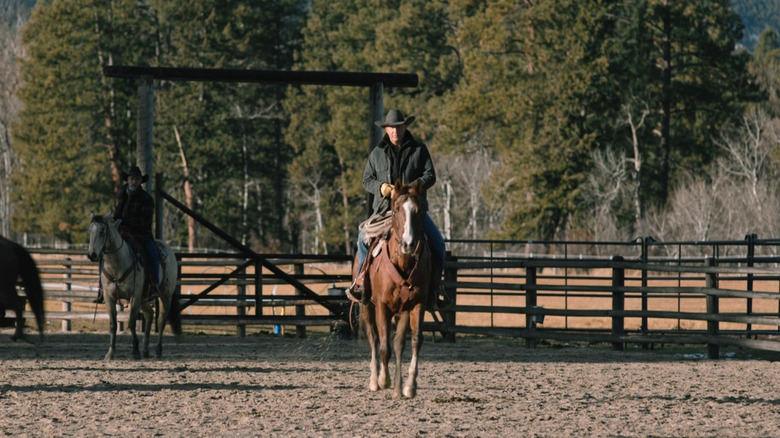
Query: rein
pixel 116 250
pixel 395 273
pixel 124 275
pixel 127 272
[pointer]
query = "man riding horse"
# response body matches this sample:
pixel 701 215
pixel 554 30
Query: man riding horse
pixel 136 209
pixel 399 156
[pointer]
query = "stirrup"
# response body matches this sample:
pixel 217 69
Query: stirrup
pixel 354 292
pixel 99 299
pixel 437 303
pixel 153 294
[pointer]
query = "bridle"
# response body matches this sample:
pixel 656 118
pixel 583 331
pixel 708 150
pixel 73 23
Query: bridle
pixel 104 251
pixel 106 238
pixel 415 254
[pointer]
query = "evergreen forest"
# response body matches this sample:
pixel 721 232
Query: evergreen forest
pixel 546 119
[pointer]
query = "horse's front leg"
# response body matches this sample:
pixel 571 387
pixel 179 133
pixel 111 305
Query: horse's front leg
pixel 383 330
pixel 416 321
pixel 148 314
pixel 399 342
pixel 19 322
pixel 369 319
pixel 134 308
pixel 111 310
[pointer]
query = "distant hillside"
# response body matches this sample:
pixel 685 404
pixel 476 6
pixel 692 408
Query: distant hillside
pixel 756 16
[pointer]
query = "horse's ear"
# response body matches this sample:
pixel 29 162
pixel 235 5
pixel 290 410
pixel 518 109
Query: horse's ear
pixel 415 188
pixel 91 215
pixel 400 188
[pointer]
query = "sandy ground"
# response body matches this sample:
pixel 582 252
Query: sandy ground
pixel 265 385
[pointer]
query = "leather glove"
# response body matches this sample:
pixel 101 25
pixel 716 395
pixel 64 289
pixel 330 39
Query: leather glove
pixel 386 190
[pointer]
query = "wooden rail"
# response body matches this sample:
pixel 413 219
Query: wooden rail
pixel 613 301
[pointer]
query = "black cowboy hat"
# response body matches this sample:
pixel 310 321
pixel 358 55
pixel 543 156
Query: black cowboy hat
pixel 395 117
pixel 134 171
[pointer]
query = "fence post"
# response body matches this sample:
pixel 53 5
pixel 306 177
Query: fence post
pixel 645 257
pixel 300 310
pixel 258 288
pixel 67 306
pixel 530 303
pixel 713 308
pixel 751 256
pixel 448 315
pixel 241 309
pixel 618 302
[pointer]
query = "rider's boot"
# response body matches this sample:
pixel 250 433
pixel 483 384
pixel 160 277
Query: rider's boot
pixel 439 299
pixel 153 293
pixel 442 299
pixel 355 290
pixel 99 299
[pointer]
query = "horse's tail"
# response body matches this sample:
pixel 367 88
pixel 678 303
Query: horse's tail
pixel 28 270
pixel 174 313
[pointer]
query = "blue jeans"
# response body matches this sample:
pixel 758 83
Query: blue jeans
pixel 153 259
pixel 435 241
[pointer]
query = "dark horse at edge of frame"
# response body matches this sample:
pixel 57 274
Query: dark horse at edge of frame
pixel 398 280
pixel 16 262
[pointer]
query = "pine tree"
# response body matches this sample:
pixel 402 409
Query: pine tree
pixel 362 36
pixel 74 122
pixel 231 133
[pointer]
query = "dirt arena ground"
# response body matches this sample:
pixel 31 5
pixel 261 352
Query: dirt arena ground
pixel 266 385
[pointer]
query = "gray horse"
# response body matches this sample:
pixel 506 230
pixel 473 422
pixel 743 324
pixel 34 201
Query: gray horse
pixel 123 279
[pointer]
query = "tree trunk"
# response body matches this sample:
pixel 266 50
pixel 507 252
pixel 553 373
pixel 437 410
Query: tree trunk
pixel 665 149
pixel 191 234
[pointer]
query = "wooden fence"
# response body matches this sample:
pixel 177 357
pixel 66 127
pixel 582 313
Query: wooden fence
pixel 730 297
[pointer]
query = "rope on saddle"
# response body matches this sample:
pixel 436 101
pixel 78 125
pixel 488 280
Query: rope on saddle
pixel 376 225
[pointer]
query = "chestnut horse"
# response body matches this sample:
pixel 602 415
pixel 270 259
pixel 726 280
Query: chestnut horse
pixel 397 279
pixel 16 262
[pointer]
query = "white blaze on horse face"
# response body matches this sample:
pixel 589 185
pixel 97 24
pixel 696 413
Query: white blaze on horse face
pixel 93 231
pixel 408 237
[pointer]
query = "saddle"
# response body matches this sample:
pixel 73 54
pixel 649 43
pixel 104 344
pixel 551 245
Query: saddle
pixel 140 252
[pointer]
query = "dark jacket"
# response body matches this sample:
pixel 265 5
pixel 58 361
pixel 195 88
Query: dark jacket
pixel 410 163
pixel 136 210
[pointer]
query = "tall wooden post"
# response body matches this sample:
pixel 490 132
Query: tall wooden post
pixel 143 151
pixel 375 110
pixel 158 207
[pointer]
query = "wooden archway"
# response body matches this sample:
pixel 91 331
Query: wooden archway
pixel 146 76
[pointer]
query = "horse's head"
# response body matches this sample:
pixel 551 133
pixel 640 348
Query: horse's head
pixel 102 235
pixel 407 216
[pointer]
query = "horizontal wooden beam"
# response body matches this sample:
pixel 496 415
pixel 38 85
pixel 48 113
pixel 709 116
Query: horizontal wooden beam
pixel 354 79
